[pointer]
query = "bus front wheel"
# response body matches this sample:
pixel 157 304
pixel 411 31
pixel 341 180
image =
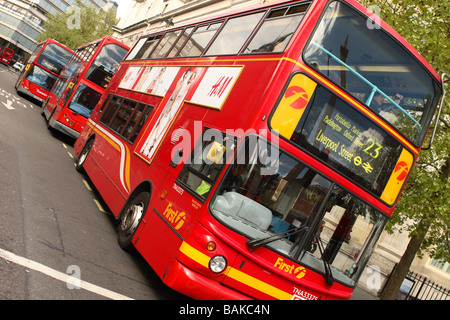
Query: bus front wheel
pixel 131 216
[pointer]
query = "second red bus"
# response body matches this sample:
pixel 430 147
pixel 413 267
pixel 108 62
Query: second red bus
pixel 82 83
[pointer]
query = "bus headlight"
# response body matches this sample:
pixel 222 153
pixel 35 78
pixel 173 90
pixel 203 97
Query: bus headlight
pixel 217 264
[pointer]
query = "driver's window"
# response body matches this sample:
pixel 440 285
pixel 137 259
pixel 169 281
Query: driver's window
pixel 207 160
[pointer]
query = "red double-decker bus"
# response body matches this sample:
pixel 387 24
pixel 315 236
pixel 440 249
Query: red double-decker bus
pixel 42 69
pixel 260 153
pixel 82 83
pixel 6 56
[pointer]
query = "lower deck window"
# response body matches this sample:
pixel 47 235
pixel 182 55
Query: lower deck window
pixel 125 117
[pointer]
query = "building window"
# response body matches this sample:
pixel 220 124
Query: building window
pixel 440 265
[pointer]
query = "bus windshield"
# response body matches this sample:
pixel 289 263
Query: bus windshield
pixel 41 77
pixel 54 58
pixel 297 212
pixel 84 100
pixel 375 69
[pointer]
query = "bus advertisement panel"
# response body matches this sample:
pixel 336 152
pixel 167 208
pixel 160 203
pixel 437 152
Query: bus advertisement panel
pixel 82 83
pixel 42 69
pixel 244 160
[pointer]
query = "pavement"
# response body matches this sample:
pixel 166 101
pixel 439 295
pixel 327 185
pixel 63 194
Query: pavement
pixel 360 294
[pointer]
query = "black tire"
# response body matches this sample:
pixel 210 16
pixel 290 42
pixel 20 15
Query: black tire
pixel 131 217
pixel 83 155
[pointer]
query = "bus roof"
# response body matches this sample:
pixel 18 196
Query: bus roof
pixel 49 40
pixel 101 39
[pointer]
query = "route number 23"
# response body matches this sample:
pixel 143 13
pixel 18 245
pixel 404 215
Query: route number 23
pixel 373 148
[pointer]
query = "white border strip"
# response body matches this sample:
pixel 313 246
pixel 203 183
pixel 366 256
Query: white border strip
pixel 60 276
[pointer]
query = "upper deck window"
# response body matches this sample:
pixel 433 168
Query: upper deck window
pixel 85 53
pixel 277 29
pixel 54 58
pixel 225 37
pixel 144 47
pixel 180 41
pixel 234 34
pixel 375 69
pixel 105 64
pixel 166 43
pixel 197 43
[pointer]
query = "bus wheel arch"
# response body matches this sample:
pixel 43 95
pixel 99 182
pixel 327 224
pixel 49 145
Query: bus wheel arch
pixel 131 215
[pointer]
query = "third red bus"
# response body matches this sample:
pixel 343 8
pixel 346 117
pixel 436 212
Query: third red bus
pixel 42 69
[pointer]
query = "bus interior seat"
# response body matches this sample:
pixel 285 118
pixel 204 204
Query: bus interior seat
pixel 240 206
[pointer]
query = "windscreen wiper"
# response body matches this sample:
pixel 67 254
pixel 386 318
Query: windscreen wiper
pixel 329 280
pixel 256 243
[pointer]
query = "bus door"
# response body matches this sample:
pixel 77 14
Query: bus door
pixel 170 213
pixel 53 96
pixel 179 195
pixel 63 98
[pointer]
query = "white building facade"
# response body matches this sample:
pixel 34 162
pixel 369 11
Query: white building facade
pixel 144 16
pixel 21 21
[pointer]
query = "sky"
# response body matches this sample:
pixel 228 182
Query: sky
pixel 123 6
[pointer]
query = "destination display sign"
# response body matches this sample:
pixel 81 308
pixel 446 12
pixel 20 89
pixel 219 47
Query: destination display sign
pixel 50 63
pixel 341 136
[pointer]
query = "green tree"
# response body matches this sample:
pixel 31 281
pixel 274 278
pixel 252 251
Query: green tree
pixel 80 24
pixel 424 207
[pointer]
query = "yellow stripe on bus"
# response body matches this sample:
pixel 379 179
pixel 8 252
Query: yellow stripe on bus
pixel 258 284
pixel 292 105
pixel 235 274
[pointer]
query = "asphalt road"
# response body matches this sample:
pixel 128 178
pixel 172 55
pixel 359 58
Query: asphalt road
pixel 57 239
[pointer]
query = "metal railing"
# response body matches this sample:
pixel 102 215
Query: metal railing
pixel 425 289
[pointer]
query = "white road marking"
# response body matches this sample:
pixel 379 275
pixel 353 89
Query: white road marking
pixel 27 263
pixel 8 105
